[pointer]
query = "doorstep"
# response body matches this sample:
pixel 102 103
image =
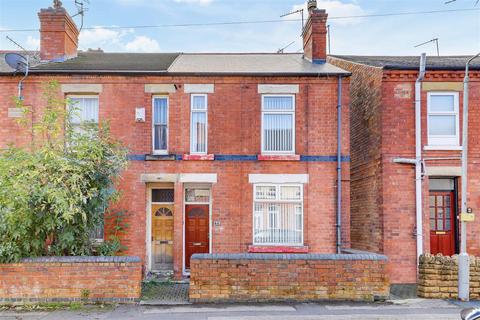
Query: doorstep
pixel 165 293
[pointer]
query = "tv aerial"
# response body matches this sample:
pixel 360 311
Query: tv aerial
pixel 433 40
pixel 20 64
pixel 293 12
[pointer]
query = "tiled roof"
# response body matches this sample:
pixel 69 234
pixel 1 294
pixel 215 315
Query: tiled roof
pixel 250 64
pixel 413 62
pixel 179 63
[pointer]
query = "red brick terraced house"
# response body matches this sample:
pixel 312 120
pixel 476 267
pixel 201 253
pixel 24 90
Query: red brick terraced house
pixel 383 135
pixel 229 153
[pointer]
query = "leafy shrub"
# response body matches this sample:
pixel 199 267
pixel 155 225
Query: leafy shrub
pixel 54 192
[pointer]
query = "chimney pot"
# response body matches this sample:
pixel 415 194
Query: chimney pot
pixel 311 5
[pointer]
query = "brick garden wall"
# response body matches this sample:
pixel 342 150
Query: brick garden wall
pixel 279 277
pixel 438 277
pixel 71 279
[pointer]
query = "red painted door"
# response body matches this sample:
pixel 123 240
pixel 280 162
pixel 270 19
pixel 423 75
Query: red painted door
pixel 196 231
pixel 442 235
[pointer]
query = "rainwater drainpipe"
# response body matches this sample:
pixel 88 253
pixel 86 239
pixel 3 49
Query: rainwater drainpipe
pixel 339 166
pixel 418 157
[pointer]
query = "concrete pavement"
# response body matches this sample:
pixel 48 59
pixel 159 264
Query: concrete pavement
pixel 394 310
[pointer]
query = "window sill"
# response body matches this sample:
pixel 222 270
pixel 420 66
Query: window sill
pixel 198 157
pixel 279 157
pixel 277 249
pixel 160 157
pixel 454 148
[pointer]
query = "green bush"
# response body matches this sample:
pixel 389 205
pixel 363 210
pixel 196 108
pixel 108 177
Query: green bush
pixel 55 191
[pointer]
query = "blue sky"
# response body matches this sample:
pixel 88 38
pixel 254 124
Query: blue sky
pixel 458 32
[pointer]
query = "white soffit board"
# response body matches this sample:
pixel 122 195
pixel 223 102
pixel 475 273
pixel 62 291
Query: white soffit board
pixel 82 88
pixel 198 177
pixel 443 171
pixel 278 178
pixel 199 88
pixel 159 88
pixel 278 88
pixel 159 177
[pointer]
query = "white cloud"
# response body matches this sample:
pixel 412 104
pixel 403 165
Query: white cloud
pixel 335 8
pixel 33 43
pixel 196 2
pixel 143 44
pixel 101 37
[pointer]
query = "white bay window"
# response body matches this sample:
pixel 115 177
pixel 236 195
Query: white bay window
pixel 443 119
pixel 278 124
pixel 278 214
pixel 198 124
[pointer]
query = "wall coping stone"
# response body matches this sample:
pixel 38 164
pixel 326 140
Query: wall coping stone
pixel 81 259
pixel 289 256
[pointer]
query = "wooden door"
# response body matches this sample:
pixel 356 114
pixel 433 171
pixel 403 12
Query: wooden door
pixel 442 223
pixel 162 237
pixel 196 231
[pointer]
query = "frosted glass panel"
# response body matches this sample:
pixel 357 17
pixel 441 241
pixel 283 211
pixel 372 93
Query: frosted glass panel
pixel 278 103
pixel 278 132
pixel 442 103
pixel 441 125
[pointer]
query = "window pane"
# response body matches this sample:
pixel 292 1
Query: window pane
pixel 432 213
pixel 278 132
pixel 442 103
pixel 199 132
pixel 84 109
pixel 160 137
pixel 275 221
pixel 198 103
pixel 290 193
pixel 439 213
pixel 265 192
pixel 439 224
pixel 432 224
pixel 447 225
pixel 197 195
pixel 162 195
pixel 160 111
pixel 441 125
pixel 278 103
pixel 439 200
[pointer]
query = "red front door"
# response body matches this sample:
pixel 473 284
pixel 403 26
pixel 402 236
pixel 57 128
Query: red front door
pixel 196 231
pixel 442 235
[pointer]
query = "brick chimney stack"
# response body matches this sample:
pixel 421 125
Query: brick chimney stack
pixel 58 33
pixel 315 34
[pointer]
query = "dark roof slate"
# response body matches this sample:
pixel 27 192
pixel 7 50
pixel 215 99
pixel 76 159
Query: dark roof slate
pixel 112 62
pixel 413 62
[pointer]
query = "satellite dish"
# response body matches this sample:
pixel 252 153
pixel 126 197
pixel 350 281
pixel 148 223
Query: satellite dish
pixel 17 62
pixel 20 64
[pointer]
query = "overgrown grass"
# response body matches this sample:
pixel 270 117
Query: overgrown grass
pixel 53 306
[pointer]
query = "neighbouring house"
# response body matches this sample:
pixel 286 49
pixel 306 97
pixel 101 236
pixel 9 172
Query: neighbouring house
pixel 382 137
pixel 229 153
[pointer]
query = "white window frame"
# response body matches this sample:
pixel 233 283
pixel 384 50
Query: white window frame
pixel 444 140
pixel 206 122
pixel 160 151
pixel 276 201
pixel 292 112
pixel 83 96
